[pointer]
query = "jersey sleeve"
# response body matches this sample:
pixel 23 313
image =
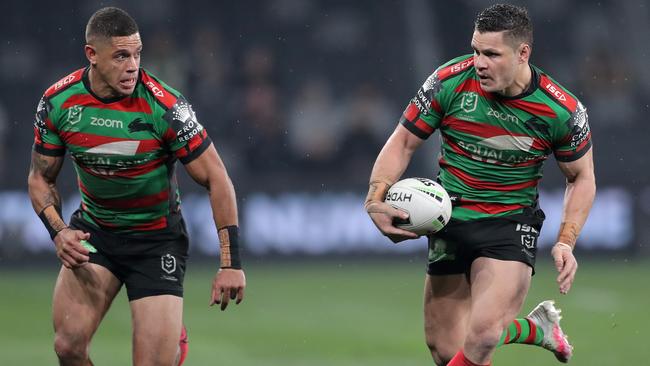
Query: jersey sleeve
pixel 184 136
pixel 46 137
pixel 424 112
pixel 573 139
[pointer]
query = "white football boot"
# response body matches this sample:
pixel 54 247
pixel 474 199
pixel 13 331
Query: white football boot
pixel 547 317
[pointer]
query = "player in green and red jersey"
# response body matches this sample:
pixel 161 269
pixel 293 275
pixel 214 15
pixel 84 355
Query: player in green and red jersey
pixel 499 118
pixel 124 130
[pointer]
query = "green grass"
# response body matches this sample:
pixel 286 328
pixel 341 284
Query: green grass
pixel 337 313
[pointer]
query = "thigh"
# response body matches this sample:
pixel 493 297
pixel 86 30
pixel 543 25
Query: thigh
pixel 155 267
pixel 157 322
pixel 446 311
pixel 81 298
pixel 499 288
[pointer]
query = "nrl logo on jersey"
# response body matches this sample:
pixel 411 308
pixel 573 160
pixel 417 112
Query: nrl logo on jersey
pixel 74 114
pixel 469 102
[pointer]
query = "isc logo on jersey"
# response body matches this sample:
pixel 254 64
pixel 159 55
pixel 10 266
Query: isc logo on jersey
pixel 555 91
pixel 105 122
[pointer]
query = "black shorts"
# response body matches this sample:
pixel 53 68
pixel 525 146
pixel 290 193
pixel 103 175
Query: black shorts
pixel 510 238
pixel 147 265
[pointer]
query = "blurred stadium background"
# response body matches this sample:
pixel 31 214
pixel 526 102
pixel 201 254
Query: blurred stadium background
pixel 299 96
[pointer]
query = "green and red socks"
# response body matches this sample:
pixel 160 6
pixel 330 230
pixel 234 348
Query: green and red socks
pixel 523 331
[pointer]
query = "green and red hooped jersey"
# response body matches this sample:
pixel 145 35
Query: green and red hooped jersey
pixel 493 147
pixel 124 149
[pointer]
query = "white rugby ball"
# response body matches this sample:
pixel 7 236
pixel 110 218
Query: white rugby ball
pixel 426 202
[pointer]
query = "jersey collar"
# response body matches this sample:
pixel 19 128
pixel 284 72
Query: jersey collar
pixel 86 80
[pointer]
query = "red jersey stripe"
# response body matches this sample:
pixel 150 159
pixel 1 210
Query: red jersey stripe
pixel 89 141
pixel 473 85
pixel 479 184
pixel 424 127
pixel 536 109
pixel 126 203
pixel 157 90
pixel 156 224
pixel 478 129
pixel 436 106
pixel 489 208
pixel 411 112
pixel 129 104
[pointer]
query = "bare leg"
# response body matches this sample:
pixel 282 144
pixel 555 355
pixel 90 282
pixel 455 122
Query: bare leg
pixel 81 299
pixel 499 289
pixel 157 322
pixel 446 312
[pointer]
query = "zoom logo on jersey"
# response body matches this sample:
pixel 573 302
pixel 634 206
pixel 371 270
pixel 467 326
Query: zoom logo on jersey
pixel 503 116
pixel 103 122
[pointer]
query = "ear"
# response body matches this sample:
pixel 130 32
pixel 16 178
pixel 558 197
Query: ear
pixel 91 54
pixel 524 53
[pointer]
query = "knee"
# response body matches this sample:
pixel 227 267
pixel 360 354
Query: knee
pixel 70 348
pixel 442 351
pixel 483 338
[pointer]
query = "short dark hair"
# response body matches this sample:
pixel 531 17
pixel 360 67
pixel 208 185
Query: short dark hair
pixel 514 20
pixel 110 22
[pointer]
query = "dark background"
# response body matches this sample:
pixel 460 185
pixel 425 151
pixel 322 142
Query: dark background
pixel 299 97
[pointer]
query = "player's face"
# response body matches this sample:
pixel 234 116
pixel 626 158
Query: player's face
pixel 495 60
pixel 117 62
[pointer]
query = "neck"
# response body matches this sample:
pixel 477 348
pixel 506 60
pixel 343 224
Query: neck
pixel 521 83
pixel 100 87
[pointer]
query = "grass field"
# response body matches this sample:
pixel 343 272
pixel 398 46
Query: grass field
pixel 337 313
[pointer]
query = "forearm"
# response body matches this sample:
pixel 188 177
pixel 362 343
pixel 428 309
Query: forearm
pixel 578 199
pixel 224 212
pixel 391 163
pixel 223 201
pixel 46 202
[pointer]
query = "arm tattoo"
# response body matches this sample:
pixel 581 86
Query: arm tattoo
pixel 52 198
pixel 43 190
pixel 49 170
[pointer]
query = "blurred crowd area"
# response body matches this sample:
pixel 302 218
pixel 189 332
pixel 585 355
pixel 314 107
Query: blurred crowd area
pixel 302 94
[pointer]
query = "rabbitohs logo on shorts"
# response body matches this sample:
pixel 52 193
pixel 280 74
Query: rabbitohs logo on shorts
pixel 168 263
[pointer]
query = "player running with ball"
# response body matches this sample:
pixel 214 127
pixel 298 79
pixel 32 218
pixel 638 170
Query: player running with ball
pixel 124 129
pixel 499 118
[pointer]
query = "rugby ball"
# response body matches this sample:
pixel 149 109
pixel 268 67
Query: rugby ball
pixel 426 202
